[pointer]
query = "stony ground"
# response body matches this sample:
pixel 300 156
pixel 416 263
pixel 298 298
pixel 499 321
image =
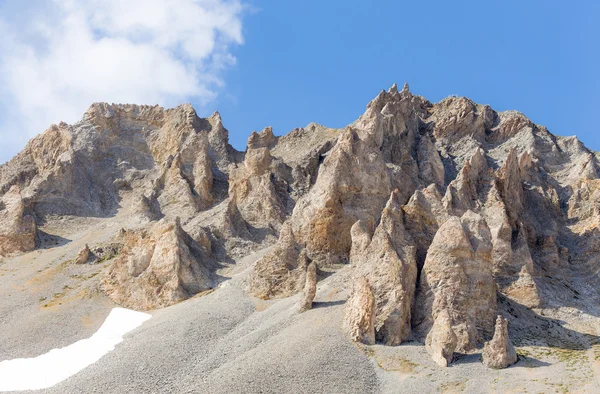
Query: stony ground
pixel 227 341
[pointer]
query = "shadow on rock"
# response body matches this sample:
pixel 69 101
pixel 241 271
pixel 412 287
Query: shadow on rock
pixel 528 328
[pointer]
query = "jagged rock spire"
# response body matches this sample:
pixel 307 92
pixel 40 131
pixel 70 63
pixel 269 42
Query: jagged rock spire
pixel 499 352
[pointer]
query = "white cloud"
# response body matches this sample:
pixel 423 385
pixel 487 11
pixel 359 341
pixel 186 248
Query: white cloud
pixel 56 58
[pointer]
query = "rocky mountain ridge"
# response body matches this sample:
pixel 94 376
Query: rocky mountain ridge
pixel 448 214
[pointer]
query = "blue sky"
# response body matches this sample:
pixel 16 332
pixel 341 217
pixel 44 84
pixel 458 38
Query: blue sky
pixel 288 63
pixel 322 61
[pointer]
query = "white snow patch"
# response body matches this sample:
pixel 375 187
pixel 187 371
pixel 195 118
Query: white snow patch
pixel 57 365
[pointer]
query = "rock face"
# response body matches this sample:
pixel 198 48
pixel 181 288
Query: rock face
pixel 282 272
pixel 359 318
pixel 441 341
pixel 499 352
pixel 352 185
pixel 252 188
pixel 157 268
pixel 18 232
pixel 389 264
pixel 438 208
pixel 457 280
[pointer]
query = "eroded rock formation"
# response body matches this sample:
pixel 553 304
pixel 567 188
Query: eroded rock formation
pixel 157 267
pixel 437 207
pixel 457 278
pixel 282 272
pixel 310 288
pixel 83 256
pixel 18 232
pixel 499 352
pixel 359 317
pixel 441 340
pixel 389 264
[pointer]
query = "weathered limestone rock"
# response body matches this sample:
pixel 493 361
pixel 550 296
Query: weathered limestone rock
pixel 361 233
pixel 424 214
pixel 157 268
pixel 457 276
pixel 456 117
pixel 177 197
pixel 264 139
pixel 538 194
pixel 282 272
pixel 18 232
pixel 393 120
pixel 145 209
pixel 512 261
pixel 353 184
pixel 511 187
pixel 390 266
pixel 203 178
pixel 83 256
pixel 499 352
pixel 231 223
pixel 252 188
pixel 221 153
pixel 86 169
pixel 463 192
pixel 310 288
pixel 441 341
pixel 431 168
pixel 359 313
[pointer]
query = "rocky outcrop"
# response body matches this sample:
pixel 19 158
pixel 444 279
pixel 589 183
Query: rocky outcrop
pixel 18 231
pixel 118 151
pixel 511 186
pixel 464 192
pixel 441 341
pixel 456 117
pixel 84 255
pixel 499 352
pixel 424 214
pixel 264 139
pixel 352 185
pixel 436 206
pixel 145 209
pixel 157 267
pixel 359 313
pixel 390 266
pixel 503 210
pixel 282 272
pixel 176 195
pixel 457 279
pixel 431 168
pixel 361 234
pixel 310 289
pixel 252 188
